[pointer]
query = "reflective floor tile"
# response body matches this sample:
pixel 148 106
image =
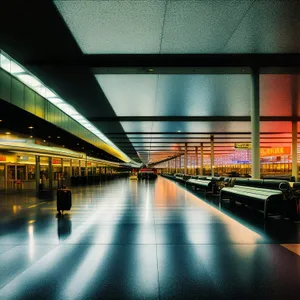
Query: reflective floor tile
pixel 14 261
pixel 89 272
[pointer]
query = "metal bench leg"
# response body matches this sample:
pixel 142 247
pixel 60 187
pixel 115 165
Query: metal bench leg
pixel 266 210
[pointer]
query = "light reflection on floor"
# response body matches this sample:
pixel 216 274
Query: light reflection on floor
pixel 138 240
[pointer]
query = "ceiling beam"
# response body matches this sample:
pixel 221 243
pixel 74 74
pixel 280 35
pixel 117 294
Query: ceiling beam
pixel 164 63
pixel 192 119
pixel 190 133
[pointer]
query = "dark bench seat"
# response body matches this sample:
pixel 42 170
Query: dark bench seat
pixel 246 194
pixel 206 184
pixel 202 184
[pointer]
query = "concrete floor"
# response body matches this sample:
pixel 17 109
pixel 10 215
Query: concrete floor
pixel 142 240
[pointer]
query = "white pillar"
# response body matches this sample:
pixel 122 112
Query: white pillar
pixel 71 167
pixel 201 160
pixel 212 160
pixel 255 130
pixel 197 161
pixel 37 172
pixel 50 173
pixel 185 159
pixel 180 164
pixel 294 150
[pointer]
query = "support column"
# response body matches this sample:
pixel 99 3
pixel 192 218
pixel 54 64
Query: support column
pixel 212 160
pixel 50 173
pixel 168 167
pixel 294 150
pixel 185 159
pixel 180 164
pixel 255 130
pixel 175 164
pixel 86 167
pixel 37 172
pixel 71 167
pixel 62 166
pixel 201 159
pixel 197 162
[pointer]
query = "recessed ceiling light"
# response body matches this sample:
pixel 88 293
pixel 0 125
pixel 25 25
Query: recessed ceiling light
pixel 58 137
pixel 0 121
pixel 44 141
pixel 49 136
pixel 31 136
pixel 7 133
pixel 30 127
pixel 150 70
pixel 178 130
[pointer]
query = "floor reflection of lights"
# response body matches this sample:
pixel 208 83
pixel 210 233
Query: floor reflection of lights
pixel 95 256
pixel 237 233
pixel 31 242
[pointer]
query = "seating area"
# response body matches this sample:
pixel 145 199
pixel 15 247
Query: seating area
pixel 256 194
pixel 279 197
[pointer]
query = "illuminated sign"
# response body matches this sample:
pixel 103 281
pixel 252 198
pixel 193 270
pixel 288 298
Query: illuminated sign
pixel 275 151
pixel 242 145
pixel 56 161
pixel 2 158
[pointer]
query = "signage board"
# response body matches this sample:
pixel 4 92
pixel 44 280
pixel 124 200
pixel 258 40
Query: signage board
pixel 243 161
pixel 2 158
pixel 275 151
pixel 242 145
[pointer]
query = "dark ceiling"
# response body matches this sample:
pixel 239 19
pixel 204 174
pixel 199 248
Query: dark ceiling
pixel 34 30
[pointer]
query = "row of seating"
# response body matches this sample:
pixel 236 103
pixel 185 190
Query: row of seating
pixel 276 196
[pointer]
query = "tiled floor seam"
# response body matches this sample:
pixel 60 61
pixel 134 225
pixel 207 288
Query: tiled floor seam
pixel 9 248
pixel 158 281
pixel 1 287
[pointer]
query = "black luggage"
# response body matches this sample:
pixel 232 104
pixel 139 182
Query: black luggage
pixel 64 199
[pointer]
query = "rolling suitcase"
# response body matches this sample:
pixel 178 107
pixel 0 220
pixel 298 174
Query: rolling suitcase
pixel 64 198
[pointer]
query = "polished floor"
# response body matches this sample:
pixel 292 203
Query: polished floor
pixel 141 240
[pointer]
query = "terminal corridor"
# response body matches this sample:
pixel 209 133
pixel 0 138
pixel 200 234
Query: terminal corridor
pixel 138 240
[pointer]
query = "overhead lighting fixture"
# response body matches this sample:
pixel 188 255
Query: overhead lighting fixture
pixel 8 64
pixel 0 121
pixel 55 100
pixel 178 130
pixel 31 136
pixel 30 127
pixel 49 136
pixel 7 133
pixel 58 137
pixel 44 141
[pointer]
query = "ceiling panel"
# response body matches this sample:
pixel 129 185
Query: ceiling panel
pixel 115 26
pixel 201 26
pixel 130 95
pixel 270 26
pixel 279 95
pixel 203 95
pixel 178 95
pixel 185 26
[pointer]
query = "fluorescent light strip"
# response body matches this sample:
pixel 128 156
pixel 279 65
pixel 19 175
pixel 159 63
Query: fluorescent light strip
pixel 23 75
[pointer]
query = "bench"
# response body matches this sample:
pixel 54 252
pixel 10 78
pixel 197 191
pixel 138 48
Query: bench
pixel 181 178
pixel 206 184
pixel 265 193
